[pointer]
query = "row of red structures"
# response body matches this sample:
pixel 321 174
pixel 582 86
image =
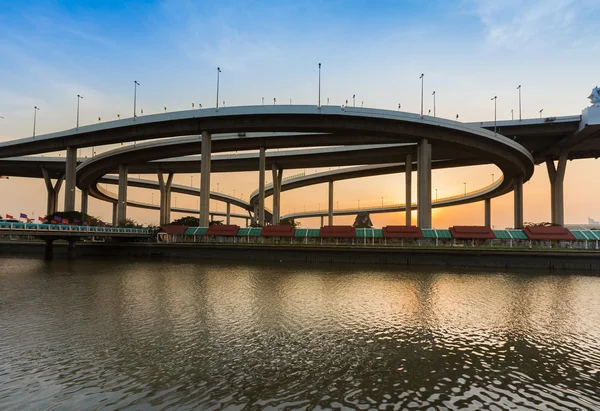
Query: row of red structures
pixel 458 232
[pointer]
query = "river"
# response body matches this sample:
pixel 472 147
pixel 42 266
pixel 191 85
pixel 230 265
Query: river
pixel 122 334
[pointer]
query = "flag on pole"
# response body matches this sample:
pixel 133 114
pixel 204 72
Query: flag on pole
pixel 29 220
pixel 9 216
pixel 23 215
pixel 41 219
pixel 57 218
pixel 76 220
pixel 54 222
pixel 65 221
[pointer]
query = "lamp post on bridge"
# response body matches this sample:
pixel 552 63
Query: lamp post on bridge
pixel 495 98
pixel 422 75
pixel 492 178
pixel 512 114
pixel 79 97
pixel 218 76
pixel 519 88
pixel 135 84
pixel 433 94
pixel 353 100
pixel 465 183
pixel 35 110
pixel 319 104
pixel 541 111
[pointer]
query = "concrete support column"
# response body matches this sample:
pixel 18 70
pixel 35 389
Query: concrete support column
pixel 228 218
pixel 518 198
pixel 408 184
pixel 114 214
pixel 424 184
pixel 277 178
pixel 84 200
pixel 488 212
pixel 557 178
pixel 70 167
pixel 261 187
pixel 53 191
pixel 122 197
pixel 205 179
pixel 330 222
pixel 165 197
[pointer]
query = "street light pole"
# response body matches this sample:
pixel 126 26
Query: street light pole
pixel 512 114
pixel 433 94
pixel 353 100
pixel 465 183
pixel 519 88
pixel 492 178
pixel 218 73
pixel 495 98
pixel 135 84
pixel 422 75
pixel 541 112
pixel 35 110
pixel 79 97
pixel 436 197
pixel 319 85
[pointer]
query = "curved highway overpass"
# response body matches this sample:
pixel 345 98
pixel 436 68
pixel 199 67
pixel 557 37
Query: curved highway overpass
pixel 514 147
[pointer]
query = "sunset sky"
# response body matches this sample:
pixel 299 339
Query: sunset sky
pixel 469 50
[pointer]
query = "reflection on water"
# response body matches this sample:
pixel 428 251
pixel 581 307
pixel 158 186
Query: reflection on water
pixel 104 334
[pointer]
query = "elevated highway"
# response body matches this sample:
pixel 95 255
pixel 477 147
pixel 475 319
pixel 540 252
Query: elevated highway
pixel 514 146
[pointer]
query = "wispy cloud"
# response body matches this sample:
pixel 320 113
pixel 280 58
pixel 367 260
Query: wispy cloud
pixel 536 23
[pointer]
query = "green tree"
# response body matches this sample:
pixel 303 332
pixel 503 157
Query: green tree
pixel 189 221
pixel 128 223
pixel 290 221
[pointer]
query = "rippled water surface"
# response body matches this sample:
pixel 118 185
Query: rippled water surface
pixel 162 335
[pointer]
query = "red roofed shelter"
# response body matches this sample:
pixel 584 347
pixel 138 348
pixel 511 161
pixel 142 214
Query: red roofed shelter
pixel 337 231
pixel 472 232
pixel 278 231
pixel 223 230
pixel 402 231
pixel 548 233
pixel 170 233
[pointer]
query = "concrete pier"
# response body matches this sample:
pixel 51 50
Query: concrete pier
pixel 330 209
pixel 277 178
pixel 424 184
pixel 408 188
pixel 70 167
pixel 205 179
pixel 518 202
pixel 115 212
pixel 488 212
pixel 261 187
pixel 557 178
pixel 53 191
pixel 84 200
pixel 165 197
pixel 122 196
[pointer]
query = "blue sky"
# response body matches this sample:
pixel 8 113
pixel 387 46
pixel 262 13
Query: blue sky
pixel 469 50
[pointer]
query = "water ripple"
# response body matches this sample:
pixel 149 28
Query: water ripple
pixel 161 335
